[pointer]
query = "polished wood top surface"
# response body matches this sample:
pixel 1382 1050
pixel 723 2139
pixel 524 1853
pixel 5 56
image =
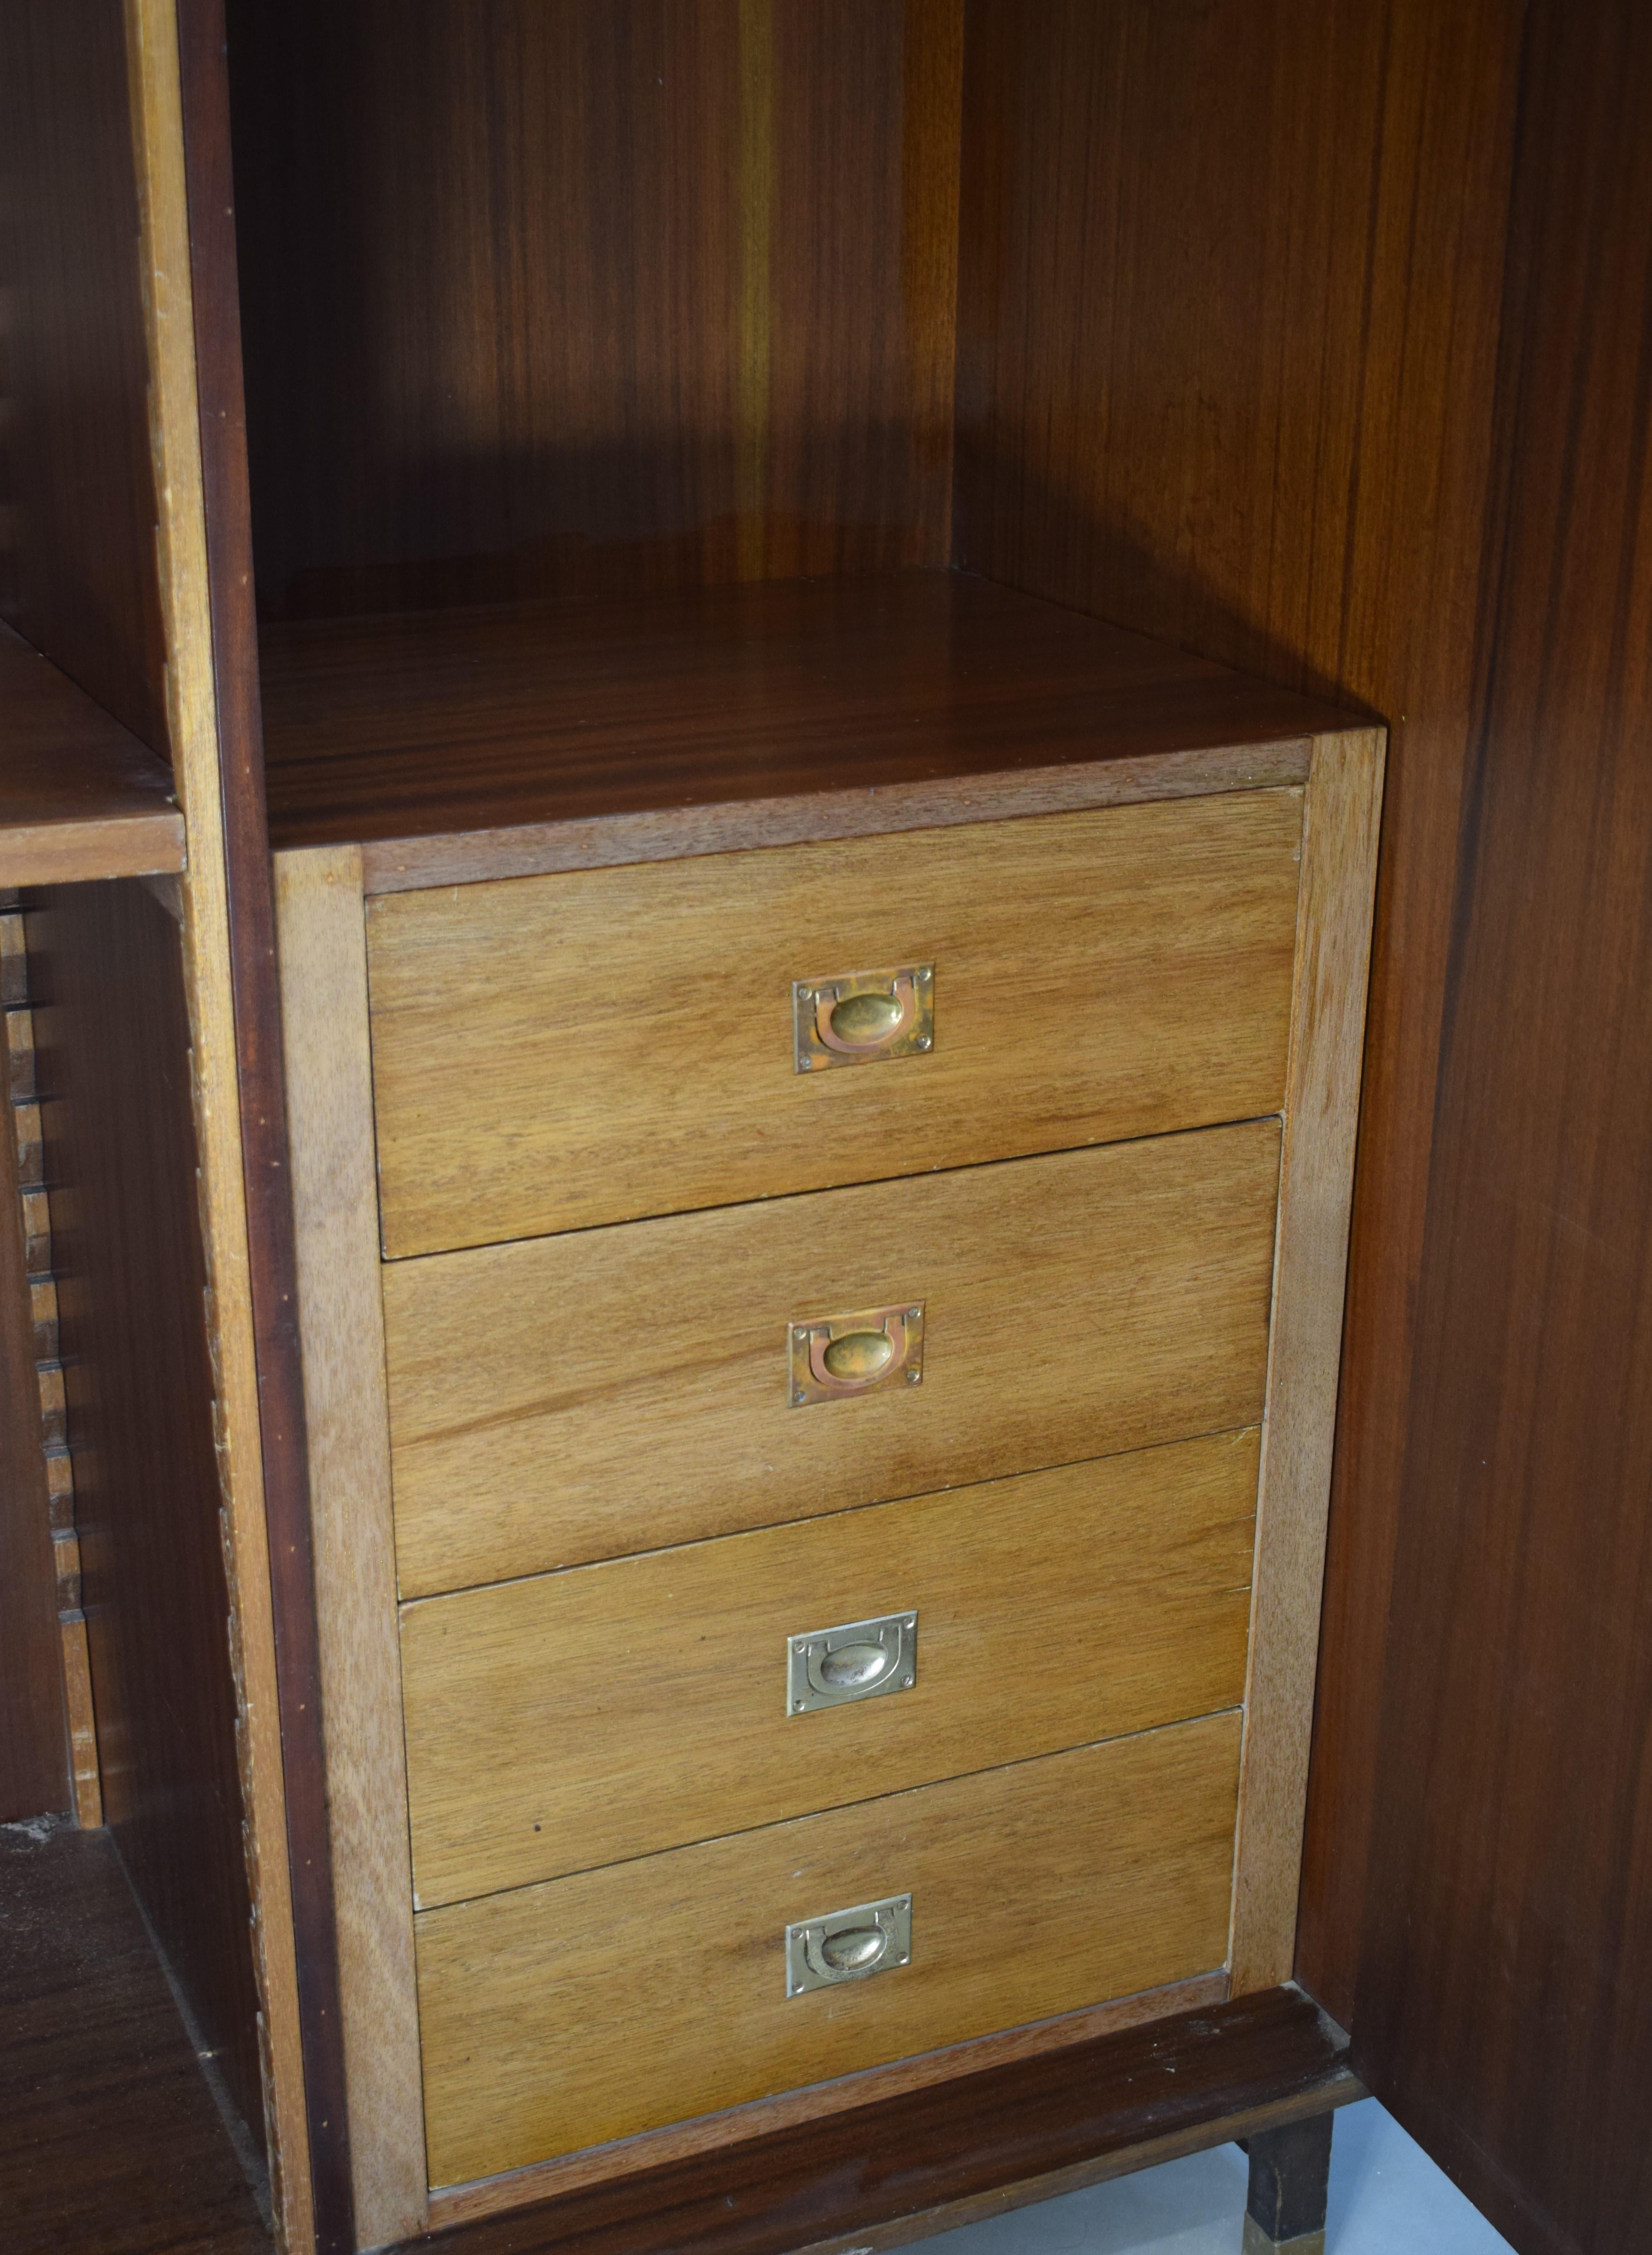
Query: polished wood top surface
pixel 79 795
pixel 420 724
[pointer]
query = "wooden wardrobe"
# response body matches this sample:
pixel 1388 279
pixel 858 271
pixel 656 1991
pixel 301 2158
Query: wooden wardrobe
pixel 694 707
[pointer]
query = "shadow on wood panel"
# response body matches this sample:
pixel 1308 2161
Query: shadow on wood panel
pixel 113 1060
pixel 78 570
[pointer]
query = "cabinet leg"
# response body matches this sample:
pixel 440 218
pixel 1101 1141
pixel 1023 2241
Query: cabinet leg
pixel 1289 2169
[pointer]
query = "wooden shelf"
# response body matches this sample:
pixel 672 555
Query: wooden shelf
pixel 462 743
pixel 79 796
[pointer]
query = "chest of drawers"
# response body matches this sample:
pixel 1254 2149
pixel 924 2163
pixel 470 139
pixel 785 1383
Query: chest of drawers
pixel 820 1361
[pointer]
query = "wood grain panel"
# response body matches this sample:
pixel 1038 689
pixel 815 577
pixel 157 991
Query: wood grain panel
pixel 1327 1039
pixel 1122 1856
pixel 388 731
pixel 627 1035
pixel 77 552
pixel 874 810
pixel 615 1390
pixel 648 295
pixel 740 2132
pixel 1229 298
pixel 196 288
pixel 581 1718
pixel 175 58
pixel 112 1057
pixel 1506 1999
pixel 323 958
pixel 79 795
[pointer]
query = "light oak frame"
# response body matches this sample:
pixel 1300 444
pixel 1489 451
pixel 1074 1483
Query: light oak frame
pixel 320 908
pixel 1341 815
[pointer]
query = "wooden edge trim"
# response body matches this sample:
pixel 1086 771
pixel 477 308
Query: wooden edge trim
pixel 1341 813
pixel 108 846
pixel 606 842
pixel 271 1272
pixel 85 1769
pixel 321 938
pixel 653 2148
pixel 1341 2087
pixel 905 2167
pixel 156 92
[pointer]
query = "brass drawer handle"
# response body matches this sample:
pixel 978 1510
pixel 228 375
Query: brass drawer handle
pixel 860 1017
pixel 858 1660
pixel 834 1358
pixel 865 1021
pixel 849 1945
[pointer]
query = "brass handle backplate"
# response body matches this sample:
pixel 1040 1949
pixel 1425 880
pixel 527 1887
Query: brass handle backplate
pixel 857 1660
pixel 863 1017
pixel 849 1945
pixel 837 1357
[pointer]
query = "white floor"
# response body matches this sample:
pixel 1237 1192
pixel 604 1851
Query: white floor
pixel 1386 2198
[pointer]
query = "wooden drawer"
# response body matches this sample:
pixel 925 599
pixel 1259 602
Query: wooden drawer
pixel 583 1717
pixel 558 2016
pixel 617 1390
pixel 554 1052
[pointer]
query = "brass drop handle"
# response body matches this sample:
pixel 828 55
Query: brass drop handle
pixel 834 1358
pixel 859 1025
pixel 863 1017
pixel 852 1949
pixel 855 1661
pixel 855 1362
pixel 847 1945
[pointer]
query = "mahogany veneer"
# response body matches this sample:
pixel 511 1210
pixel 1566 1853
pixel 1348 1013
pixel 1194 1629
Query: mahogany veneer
pixel 110 2141
pixel 407 726
pixel 79 795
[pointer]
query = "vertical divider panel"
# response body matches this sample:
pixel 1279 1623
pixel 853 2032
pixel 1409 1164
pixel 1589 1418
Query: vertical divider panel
pixel 1342 809
pixel 321 938
pixel 155 90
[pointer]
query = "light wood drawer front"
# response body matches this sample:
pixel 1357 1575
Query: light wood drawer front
pixel 559 2016
pixel 555 1053
pixel 618 1390
pixel 610 1711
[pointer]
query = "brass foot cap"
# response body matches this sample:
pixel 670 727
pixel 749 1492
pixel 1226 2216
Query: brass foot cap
pixel 1258 2243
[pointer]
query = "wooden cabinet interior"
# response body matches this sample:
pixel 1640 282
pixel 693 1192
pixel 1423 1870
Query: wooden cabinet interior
pixel 1258 329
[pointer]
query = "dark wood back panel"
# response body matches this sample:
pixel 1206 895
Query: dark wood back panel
pixel 1506 1991
pixel 1321 339
pixel 543 298
pixel 78 575
pixel 1228 314
pixel 112 1061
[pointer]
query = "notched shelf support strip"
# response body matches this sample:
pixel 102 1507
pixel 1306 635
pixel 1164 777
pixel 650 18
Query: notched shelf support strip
pixel 23 1092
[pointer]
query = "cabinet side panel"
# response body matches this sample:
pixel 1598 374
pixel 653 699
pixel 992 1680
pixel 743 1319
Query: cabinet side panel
pixel 77 552
pixel 1322 1105
pixel 1229 300
pixel 176 50
pixel 112 1057
pixel 1505 2006
pixel 322 938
